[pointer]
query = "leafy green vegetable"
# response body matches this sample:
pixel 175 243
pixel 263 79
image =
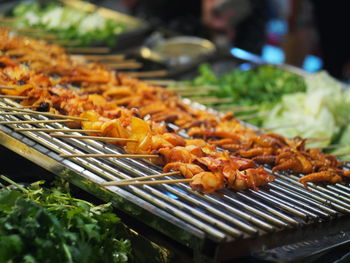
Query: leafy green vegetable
pixel 320 112
pixel 68 23
pixel 48 225
pixel 263 85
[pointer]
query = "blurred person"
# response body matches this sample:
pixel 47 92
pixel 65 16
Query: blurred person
pixel 240 22
pixel 225 22
pixel 301 37
pixel 316 26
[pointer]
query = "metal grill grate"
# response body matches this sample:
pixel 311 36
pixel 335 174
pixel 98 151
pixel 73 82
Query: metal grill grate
pixel 176 210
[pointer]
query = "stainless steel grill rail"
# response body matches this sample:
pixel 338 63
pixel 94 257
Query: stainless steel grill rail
pixel 225 221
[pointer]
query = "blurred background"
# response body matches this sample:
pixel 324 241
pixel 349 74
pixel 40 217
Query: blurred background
pixel 303 33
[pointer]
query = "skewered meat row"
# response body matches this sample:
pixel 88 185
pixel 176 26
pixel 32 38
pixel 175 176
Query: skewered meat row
pixel 210 169
pixel 226 132
pixel 289 155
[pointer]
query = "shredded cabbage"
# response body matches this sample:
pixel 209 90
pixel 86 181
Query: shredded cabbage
pixel 320 112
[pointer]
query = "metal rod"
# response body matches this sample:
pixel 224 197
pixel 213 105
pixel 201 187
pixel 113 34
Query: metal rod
pixel 43 113
pixel 33 122
pixel 98 138
pixel 56 130
pixel 110 155
pixel 175 181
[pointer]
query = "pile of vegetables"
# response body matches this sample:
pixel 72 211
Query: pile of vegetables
pixel 320 112
pixel 67 23
pixel 314 106
pixel 49 225
pixel 262 85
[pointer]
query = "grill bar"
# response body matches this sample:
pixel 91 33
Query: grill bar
pixel 225 217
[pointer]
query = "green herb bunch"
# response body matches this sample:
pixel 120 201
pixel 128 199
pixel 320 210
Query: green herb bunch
pixel 264 85
pixel 49 225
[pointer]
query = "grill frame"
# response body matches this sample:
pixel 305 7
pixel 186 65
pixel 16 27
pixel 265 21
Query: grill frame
pixel 289 220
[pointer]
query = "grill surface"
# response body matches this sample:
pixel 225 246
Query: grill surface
pixel 209 224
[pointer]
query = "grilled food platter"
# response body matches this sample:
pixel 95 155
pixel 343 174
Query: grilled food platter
pixel 219 214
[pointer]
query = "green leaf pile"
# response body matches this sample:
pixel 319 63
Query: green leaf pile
pixel 48 225
pixel 68 23
pixel 265 84
pixel 320 112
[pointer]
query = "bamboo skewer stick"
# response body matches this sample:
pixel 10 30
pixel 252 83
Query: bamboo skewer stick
pixel 331 146
pixel 43 113
pixel 27 107
pixel 15 113
pixel 104 57
pixel 252 116
pixel 98 138
pixel 279 127
pixel 190 88
pixel 237 108
pixel 13 97
pixel 3 87
pixel 193 93
pixel 126 65
pixel 33 122
pixel 341 154
pixel 118 62
pixel 319 139
pixel 99 50
pixel 209 100
pixel 145 74
pixel 56 130
pixel 109 155
pixel 161 82
pixel 174 181
pixel 142 178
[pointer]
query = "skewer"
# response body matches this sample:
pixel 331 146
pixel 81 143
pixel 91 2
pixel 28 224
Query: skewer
pixel 13 97
pixel 57 130
pixel 188 88
pixel 145 74
pixel 341 154
pixel 27 107
pixel 3 87
pixel 122 65
pixel 191 93
pixel 142 178
pixel 209 100
pixel 99 50
pixel 161 82
pixel 104 57
pixel 33 122
pixel 109 155
pixel 97 138
pixel 236 108
pixel 174 181
pixel 67 43
pixel 279 127
pixel 332 146
pixel 316 139
pixel 43 113
pixel 16 113
pixel 252 116
pixel 118 62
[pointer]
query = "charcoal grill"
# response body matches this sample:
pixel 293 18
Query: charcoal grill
pixel 216 227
